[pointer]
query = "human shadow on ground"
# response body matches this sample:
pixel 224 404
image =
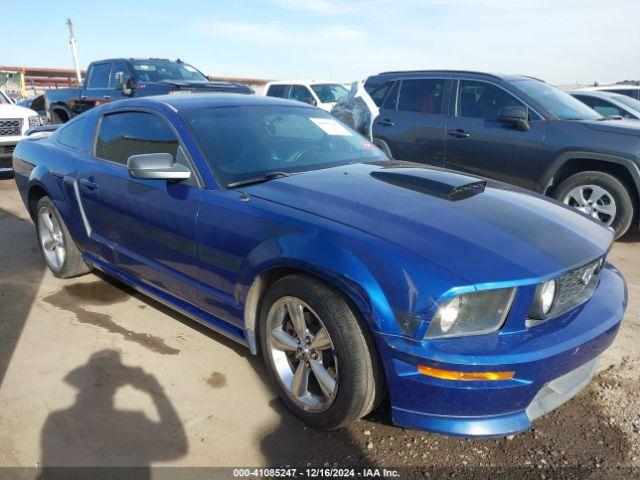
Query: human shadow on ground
pixel 93 433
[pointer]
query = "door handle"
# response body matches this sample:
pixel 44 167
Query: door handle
pixel 106 97
pixel 458 133
pixel 83 97
pixel 89 183
pixel 386 123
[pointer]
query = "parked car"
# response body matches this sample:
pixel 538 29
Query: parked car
pixel 320 94
pixel 478 306
pixel 632 91
pixel 513 128
pixel 14 122
pixel 610 104
pixel 114 79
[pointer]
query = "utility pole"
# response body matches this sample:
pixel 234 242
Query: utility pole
pixel 74 50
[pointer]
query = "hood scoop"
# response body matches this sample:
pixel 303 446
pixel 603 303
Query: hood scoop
pixel 437 183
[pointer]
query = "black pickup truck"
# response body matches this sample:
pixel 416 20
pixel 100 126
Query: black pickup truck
pixel 118 78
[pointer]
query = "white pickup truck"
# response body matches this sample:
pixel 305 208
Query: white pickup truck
pixel 14 122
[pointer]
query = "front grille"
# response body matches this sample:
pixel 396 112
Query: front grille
pixel 575 287
pixel 9 149
pixel 572 289
pixel 10 127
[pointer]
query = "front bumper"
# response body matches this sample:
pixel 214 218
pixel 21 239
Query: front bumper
pixel 7 146
pixel 553 361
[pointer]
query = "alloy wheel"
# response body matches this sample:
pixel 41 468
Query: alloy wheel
pixel 302 353
pixel 594 201
pixel 51 238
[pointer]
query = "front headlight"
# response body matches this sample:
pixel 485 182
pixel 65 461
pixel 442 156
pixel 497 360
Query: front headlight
pixel 35 121
pixel 472 313
pixel 543 300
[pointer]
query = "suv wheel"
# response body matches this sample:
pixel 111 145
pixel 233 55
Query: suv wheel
pixel 317 354
pixel 601 196
pixel 58 248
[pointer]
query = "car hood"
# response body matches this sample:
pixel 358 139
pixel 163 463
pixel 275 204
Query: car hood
pixel 496 234
pixel 210 86
pixel 15 111
pixel 625 126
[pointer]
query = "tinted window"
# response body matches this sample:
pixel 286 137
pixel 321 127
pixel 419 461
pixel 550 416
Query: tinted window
pixel 628 101
pixel 329 92
pixel 300 93
pixel 559 103
pixel 483 100
pixel 248 142
pixel 279 91
pixel 99 76
pixel 378 94
pixel 159 70
pixel 132 133
pixel 119 74
pixel 421 95
pixel 603 107
pixel 74 134
pixel 392 98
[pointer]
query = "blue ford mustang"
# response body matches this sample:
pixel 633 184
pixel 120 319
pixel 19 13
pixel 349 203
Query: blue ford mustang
pixel 475 305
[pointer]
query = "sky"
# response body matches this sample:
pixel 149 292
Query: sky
pixel 563 41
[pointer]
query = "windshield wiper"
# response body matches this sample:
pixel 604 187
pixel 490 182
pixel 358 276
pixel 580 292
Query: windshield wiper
pixel 264 178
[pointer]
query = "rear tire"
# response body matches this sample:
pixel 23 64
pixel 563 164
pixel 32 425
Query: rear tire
pixel 59 251
pixel 600 195
pixel 348 356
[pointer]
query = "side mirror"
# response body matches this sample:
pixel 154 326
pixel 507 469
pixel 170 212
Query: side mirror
pixel 516 116
pixel 128 86
pixel 156 166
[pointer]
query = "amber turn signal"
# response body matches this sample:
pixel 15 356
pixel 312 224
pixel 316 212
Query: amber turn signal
pixel 464 376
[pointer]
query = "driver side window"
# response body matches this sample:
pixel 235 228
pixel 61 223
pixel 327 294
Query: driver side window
pixel 483 100
pixel 301 93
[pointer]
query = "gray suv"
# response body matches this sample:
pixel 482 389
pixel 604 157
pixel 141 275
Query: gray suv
pixel 513 128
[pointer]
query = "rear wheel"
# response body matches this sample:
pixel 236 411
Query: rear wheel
pixel 318 356
pixel 601 196
pixel 58 248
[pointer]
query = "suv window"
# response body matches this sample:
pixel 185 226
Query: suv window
pixel 301 93
pixel 601 106
pixel 483 100
pixel 629 92
pixel 379 93
pixel 392 98
pixel 99 77
pixel 421 95
pixel 279 91
pixel 132 133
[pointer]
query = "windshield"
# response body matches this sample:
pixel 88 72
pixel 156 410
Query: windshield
pixel 559 103
pixel 329 92
pixel 160 70
pixel 629 102
pixel 243 143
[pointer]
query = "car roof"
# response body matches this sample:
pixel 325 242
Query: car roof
pixel 500 76
pixel 596 93
pixel 609 87
pixel 302 82
pixel 130 59
pixel 208 100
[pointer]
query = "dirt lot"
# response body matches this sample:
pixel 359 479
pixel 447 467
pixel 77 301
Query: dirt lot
pixel 92 373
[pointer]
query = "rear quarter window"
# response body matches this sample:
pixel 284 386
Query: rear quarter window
pixel 278 91
pixel 75 134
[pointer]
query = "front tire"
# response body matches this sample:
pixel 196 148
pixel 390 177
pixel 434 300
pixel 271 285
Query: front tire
pixel 320 360
pixel 601 196
pixel 60 252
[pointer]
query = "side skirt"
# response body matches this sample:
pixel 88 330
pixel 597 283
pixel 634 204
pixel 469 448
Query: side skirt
pixel 195 313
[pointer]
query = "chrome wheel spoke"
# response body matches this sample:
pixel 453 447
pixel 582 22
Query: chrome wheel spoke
pixel 594 201
pixel 281 340
pixel 325 380
pixel 46 219
pixel 300 383
pixel 60 255
pixel 49 243
pixel 321 340
pixel 296 314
